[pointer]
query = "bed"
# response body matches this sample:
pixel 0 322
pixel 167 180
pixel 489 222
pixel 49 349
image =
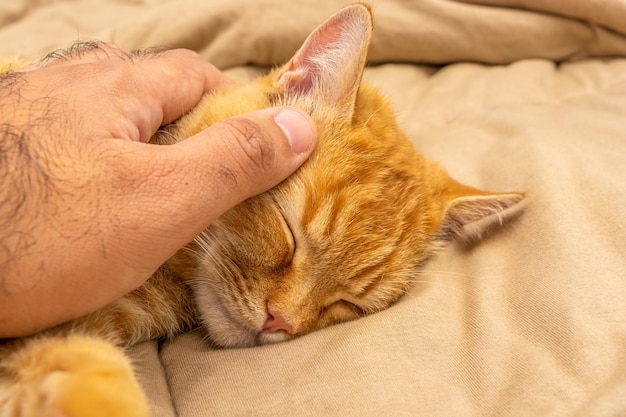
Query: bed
pixel 523 95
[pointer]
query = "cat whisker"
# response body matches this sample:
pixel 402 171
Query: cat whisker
pixel 372 115
pixel 407 293
pixel 206 339
pixel 165 133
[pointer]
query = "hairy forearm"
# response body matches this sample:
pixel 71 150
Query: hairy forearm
pixel 89 209
pixel 50 211
pixel 69 205
pixel 27 191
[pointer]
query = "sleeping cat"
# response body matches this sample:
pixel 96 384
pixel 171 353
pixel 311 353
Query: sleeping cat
pixel 340 239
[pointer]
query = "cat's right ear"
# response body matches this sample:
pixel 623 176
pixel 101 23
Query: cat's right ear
pixel 328 67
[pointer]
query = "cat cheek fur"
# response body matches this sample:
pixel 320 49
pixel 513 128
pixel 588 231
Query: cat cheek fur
pixel 342 238
pixel 365 211
pixel 239 261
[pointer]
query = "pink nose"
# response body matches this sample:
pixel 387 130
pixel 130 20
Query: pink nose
pixel 276 321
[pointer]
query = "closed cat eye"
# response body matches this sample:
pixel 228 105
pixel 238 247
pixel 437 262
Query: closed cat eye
pixel 359 311
pixel 291 239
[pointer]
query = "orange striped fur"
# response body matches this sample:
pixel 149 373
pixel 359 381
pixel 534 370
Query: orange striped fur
pixel 340 239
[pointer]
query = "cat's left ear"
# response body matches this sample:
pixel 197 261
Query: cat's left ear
pixel 468 212
pixel 327 69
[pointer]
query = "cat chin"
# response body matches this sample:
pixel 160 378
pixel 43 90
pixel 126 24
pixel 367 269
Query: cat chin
pixel 266 338
pixel 226 328
pixel 235 335
pixel 244 338
pixel 230 336
pixel 226 331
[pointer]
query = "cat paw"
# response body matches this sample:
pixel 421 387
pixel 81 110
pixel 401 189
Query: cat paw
pixel 77 377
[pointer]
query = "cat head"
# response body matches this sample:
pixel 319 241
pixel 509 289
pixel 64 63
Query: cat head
pixel 342 237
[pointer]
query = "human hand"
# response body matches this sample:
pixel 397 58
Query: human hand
pixel 88 209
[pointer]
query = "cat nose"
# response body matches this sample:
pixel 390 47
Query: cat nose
pixel 276 321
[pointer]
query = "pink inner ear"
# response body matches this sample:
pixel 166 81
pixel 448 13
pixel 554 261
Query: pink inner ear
pixel 305 66
pixel 326 38
pixel 331 57
pixel 298 80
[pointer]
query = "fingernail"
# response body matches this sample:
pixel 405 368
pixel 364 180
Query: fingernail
pixel 299 130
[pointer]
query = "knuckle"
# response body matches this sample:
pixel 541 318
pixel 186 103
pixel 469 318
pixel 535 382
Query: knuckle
pixel 254 153
pixel 85 51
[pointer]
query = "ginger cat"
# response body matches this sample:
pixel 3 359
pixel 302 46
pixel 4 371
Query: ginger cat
pixel 340 239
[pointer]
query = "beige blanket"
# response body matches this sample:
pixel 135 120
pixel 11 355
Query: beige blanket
pixel 508 95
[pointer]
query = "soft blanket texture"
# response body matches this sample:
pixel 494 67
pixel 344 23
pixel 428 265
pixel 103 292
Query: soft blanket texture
pixel 508 95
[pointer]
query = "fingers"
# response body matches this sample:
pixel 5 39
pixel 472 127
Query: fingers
pixel 137 92
pixel 244 156
pixel 182 188
pixel 234 160
pixel 175 80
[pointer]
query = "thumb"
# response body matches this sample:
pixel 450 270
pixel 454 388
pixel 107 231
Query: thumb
pixel 240 158
pixel 184 187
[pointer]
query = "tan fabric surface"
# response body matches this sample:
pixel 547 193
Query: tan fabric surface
pixel 530 322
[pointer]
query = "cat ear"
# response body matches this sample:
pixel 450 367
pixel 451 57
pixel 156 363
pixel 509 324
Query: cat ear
pixel 470 215
pixel 328 67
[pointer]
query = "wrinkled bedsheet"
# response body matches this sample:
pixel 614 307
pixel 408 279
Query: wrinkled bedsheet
pixel 508 95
